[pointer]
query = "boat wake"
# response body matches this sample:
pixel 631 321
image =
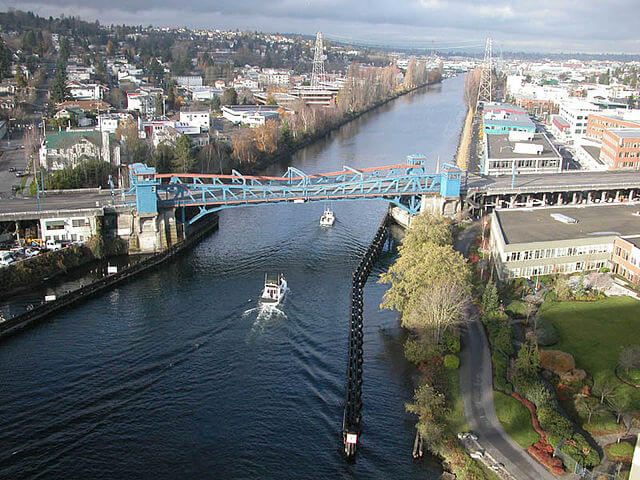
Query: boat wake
pixel 264 315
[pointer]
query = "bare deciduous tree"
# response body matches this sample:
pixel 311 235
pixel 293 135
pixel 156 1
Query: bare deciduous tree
pixel 440 306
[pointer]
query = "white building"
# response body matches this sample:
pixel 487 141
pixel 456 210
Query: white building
pixel 196 118
pixel 86 91
pixel 76 228
pixel 143 100
pixel 71 148
pixel 575 113
pixel 271 76
pixel 186 81
pixel 79 73
pixel 252 115
pixel 108 122
pixel 200 94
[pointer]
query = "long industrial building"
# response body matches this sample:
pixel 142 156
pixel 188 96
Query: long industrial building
pixel 542 241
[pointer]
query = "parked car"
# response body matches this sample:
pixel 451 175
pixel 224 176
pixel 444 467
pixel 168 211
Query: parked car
pixel 12 169
pixel 53 245
pixel 5 258
pixel 31 252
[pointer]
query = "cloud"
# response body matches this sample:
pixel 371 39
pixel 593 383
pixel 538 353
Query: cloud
pixel 549 25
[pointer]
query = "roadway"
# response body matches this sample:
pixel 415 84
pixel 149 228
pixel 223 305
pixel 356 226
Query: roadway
pixel 476 391
pixel 67 201
pixel 545 182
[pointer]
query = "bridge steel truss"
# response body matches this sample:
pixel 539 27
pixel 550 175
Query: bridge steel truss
pixel 401 185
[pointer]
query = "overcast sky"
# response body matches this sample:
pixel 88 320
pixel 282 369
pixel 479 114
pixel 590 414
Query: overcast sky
pixel 594 26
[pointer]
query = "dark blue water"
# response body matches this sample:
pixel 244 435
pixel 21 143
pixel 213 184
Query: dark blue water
pixel 179 375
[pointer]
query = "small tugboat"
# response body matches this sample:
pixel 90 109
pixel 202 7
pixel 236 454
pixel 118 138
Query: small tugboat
pixel 327 218
pixel 275 287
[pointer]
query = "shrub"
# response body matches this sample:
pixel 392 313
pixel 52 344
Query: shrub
pixel 452 362
pixel 499 330
pixel 619 450
pixel 546 333
pixel 452 341
pixel 416 351
pixel 556 361
pixel 500 366
pixel 553 422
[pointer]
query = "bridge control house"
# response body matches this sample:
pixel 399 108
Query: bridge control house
pixel 550 240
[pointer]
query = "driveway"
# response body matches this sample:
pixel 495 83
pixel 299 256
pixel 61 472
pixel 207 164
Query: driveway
pixel 476 390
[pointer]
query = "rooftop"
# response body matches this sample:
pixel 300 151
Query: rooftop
pixel 635 241
pixel 593 151
pixel 626 132
pixel 499 147
pixel 70 138
pixel 537 225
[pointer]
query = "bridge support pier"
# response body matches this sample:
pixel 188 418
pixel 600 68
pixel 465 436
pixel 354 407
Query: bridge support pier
pixel 149 232
pixel 603 197
pixel 631 195
pixel 617 199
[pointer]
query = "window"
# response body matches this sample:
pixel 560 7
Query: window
pixel 80 222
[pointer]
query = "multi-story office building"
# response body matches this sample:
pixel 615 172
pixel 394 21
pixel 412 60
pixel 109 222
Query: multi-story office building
pixel 541 241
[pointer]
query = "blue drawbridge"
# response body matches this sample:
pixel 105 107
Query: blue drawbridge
pixel 402 185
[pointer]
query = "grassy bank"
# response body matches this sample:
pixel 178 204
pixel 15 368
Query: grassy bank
pixel 515 419
pixel 594 333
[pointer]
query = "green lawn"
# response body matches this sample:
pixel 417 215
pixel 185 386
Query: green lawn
pixel 622 449
pixel 595 332
pixel 457 418
pixel 515 419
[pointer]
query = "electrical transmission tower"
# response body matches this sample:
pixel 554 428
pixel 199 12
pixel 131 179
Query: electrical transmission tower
pixel 318 63
pixel 484 89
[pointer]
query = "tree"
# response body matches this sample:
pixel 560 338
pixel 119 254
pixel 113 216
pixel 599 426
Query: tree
pixel 428 228
pixel 416 269
pixel 604 387
pixel 580 288
pixel 629 358
pixel 229 97
pixel 110 48
pixel 471 85
pixel 528 359
pixel 163 158
pixel 430 406
pixel 440 306
pixel 490 298
pixel 59 91
pixel 21 81
pixel 183 158
pixel 619 405
pixel 589 407
pixel 159 105
pixel 117 98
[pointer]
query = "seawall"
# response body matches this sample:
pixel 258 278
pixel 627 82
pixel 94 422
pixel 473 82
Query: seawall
pixel 44 310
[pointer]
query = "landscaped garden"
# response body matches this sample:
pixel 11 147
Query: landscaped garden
pixel 596 333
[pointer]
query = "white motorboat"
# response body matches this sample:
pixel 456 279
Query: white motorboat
pixel 275 287
pixel 327 218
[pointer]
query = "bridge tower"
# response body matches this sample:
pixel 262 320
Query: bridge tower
pixel 484 88
pixel 318 74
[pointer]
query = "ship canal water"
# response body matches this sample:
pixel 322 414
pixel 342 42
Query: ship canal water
pixel 180 374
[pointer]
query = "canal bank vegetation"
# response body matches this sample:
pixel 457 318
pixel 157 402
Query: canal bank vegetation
pixel 26 274
pixel 253 149
pixel 430 285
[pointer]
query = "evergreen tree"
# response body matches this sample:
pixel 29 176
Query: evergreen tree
pixel 59 86
pixel 183 158
pixel 490 298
